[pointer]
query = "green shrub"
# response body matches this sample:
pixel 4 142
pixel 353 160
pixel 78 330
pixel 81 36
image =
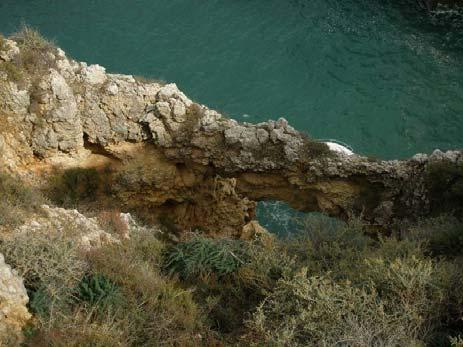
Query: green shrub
pixel 147 247
pixel 407 286
pixel 17 200
pixel 444 180
pixel 36 55
pixel 228 299
pixel 159 311
pixel 324 246
pixel 420 295
pixel 442 236
pixel 13 71
pixel 97 290
pixel 78 329
pixel 201 256
pixel 314 149
pixel 47 261
pixel 317 311
pixel 75 185
pixel 40 302
pixel 265 266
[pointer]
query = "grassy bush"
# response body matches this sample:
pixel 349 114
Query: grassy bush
pixel 407 285
pixel 122 300
pixel 229 298
pixel 111 221
pixel 310 310
pixel 441 236
pixel 418 295
pixel 202 256
pixel 322 246
pixel 239 293
pixel 36 53
pixel 49 263
pixel 2 42
pixel 445 184
pixel 266 264
pixel 79 329
pixel 329 285
pixel 76 185
pixel 159 311
pixel 12 70
pixel 399 303
pixel 314 149
pixel 99 291
pixel 17 200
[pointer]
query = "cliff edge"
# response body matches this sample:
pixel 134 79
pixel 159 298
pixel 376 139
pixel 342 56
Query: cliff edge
pixel 164 154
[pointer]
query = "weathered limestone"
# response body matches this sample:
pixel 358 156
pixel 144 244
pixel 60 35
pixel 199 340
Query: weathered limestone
pixel 173 157
pixel 86 232
pixel 13 311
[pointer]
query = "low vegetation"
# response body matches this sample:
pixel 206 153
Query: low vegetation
pixel 314 149
pixel 329 284
pixel 445 183
pixel 76 186
pixel 204 257
pixel 145 80
pixel 17 200
pixel 36 52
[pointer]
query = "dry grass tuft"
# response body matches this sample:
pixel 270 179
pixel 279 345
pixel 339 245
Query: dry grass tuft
pixel 111 221
pixel 48 261
pixel 157 308
pixel 37 55
pixel 17 200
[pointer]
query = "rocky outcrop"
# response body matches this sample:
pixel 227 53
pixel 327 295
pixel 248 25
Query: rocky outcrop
pixel 172 157
pixel 13 311
pixel 84 231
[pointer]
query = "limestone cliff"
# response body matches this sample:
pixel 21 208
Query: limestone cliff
pixel 166 153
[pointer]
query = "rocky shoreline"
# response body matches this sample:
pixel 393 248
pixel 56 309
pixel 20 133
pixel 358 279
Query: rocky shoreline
pixel 168 153
pixel 123 144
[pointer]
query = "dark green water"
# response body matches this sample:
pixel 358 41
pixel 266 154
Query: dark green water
pixel 371 73
pixel 375 74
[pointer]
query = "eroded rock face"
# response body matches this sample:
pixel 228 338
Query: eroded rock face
pixel 169 155
pixel 13 300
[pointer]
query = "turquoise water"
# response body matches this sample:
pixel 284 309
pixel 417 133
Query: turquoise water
pixel 376 74
pixel 372 73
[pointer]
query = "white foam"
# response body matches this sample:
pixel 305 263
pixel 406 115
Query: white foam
pixel 339 148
